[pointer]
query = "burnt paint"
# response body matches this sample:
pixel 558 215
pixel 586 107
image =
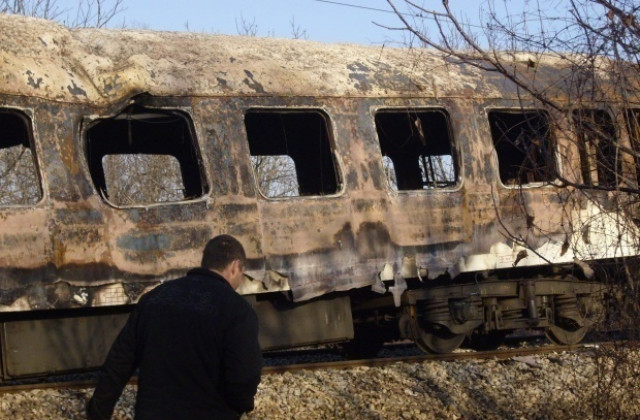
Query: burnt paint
pixel 35 83
pixel 370 205
pixel 373 241
pixel 229 211
pixel 76 90
pixel 388 226
pixel 170 239
pixel 252 83
pixel 62 154
pixel 78 215
pixel 171 212
pixel 375 172
pixel 50 287
pixel 223 84
pixel 351 260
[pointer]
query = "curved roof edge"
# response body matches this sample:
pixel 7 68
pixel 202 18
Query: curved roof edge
pixel 44 59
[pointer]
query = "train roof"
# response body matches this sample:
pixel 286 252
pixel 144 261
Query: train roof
pixel 44 59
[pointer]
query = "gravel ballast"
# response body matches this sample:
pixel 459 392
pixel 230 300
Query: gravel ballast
pixel 557 386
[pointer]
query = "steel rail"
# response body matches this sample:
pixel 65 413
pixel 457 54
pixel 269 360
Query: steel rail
pixel 450 357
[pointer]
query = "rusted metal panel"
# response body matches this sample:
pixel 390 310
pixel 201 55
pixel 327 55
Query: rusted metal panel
pixel 76 249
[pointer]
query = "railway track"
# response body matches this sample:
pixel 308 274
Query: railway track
pixel 277 367
pixel 464 355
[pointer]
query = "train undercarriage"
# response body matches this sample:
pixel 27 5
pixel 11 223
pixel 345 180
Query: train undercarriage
pixel 437 315
pixel 440 316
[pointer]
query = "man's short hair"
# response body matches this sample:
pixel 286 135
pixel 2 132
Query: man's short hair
pixel 221 251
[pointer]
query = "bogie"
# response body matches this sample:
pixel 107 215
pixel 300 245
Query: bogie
pixel 439 319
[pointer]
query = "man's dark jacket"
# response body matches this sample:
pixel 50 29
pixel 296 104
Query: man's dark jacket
pixel 195 343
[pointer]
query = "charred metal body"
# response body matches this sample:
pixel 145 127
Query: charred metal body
pixel 392 205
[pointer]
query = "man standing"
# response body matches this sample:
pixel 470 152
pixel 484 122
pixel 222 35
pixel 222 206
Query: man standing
pixel 195 343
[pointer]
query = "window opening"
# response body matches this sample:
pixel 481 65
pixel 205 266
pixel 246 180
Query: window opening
pixel 19 182
pixel 291 152
pixel 125 172
pixel 599 160
pixel 522 140
pixel 145 156
pixel 276 175
pixel 417 149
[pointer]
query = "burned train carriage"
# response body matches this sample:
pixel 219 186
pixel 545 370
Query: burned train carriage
pixel 375 190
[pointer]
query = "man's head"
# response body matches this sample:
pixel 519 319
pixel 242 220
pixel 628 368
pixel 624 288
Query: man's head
pixel 225 255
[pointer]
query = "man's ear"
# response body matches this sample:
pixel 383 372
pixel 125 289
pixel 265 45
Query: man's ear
pixel 238 268
pixel 235 273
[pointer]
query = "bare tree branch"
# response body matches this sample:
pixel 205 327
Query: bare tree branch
pixel 89 13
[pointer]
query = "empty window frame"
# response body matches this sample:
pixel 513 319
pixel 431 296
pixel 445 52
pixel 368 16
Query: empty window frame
pixel 19 181
pixel 600 162
pixel 523 143
pixel 145 156
pixel 291 152
pixel 417 149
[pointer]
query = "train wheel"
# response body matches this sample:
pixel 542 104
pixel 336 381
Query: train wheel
pixel 567 332
pixel 436 338
pixel 574 316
